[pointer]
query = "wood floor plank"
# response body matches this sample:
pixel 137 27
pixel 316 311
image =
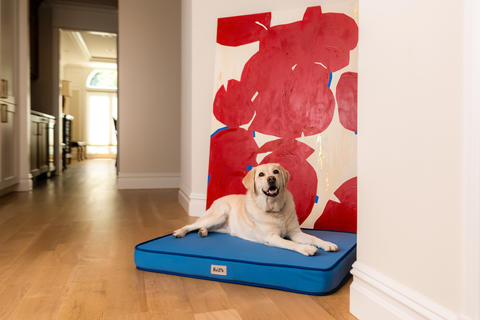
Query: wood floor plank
pixel 11 225
pixel 205 296
pixel 167 298
pixel 18 244
pixel 48 239
pixel 26 269
pixel 126 293
pixel 251 303
pixel 296 306
pixel 129 316
pixel 10 296
pixel 230 314
pixel 77 232
pixel 84 301
pixel 337 304
pixel 41 306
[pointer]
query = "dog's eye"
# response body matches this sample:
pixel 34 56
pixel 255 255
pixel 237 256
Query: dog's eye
pixel 276 171
pixel 261 174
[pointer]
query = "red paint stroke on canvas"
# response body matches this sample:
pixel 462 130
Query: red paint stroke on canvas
pixel 231 107
pixel 231 152
pixel 347 100
pixel 341 216
pixel 240 30
pixel 292 155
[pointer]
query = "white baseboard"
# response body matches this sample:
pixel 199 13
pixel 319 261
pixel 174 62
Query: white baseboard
pixel 7 190
pixel 148 180
pixel 374 296
pixel 193 203
pixel 24 184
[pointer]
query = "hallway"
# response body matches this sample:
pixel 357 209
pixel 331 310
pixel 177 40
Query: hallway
pixel 66 252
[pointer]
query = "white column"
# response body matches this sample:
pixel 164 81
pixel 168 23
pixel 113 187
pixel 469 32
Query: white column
pixel 23 97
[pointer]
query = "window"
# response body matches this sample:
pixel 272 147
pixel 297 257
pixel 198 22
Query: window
pixel 101 110
pixel 101 136
pixel 102 79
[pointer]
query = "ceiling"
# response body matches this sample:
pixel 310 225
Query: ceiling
pixel 88 49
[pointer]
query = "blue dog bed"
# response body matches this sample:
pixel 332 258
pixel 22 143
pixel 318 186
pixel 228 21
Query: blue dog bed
pixel 222 257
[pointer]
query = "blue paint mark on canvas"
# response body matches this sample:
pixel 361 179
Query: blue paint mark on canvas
pixel 208 181
pixel 355 132
pixel 221 129
pixel 250 167
pixel 330 80
pixel 316 199
pixel 254 134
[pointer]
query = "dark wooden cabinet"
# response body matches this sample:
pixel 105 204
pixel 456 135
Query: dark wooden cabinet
pixel 41 146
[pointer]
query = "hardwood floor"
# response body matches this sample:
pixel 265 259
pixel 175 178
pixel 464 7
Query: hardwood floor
pixel 66 252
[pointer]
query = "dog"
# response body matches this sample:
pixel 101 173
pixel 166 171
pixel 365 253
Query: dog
pixel 265 214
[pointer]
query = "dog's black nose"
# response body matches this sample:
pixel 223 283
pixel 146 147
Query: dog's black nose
pixel 271 179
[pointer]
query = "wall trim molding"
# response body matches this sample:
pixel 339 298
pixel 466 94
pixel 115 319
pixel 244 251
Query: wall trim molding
pixel 193 203
pixel 375 296
pixel 470 215
pixel 148 180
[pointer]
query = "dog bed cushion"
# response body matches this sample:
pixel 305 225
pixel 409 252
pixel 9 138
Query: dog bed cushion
pixel 226 258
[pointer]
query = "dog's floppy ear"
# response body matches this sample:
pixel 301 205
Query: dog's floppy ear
pixel 285 174
pixel 249 181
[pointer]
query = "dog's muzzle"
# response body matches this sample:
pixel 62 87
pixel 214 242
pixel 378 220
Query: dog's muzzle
pixel 272 190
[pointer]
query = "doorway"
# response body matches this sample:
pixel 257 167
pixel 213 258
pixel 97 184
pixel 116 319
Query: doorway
pixel 88 65
pixel 101 124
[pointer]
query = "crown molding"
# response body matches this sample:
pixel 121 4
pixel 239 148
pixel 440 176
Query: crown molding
pixel 80 44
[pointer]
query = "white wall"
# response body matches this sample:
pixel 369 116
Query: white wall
pixel 199 27
pixel 149 94
pixel 409 154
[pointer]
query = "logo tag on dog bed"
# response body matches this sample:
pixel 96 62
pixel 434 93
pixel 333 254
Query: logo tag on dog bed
pixel 220 270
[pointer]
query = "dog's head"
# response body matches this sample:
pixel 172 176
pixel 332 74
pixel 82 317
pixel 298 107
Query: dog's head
pixel 267 179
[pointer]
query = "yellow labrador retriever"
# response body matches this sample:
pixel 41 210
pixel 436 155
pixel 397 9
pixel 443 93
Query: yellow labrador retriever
pixel 266 214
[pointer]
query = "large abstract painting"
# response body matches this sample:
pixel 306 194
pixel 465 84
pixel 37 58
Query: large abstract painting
pixel 286 92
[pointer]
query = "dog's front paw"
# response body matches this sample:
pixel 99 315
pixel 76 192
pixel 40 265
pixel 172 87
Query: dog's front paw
pixel 203 232
pixel 328 246
pixel 307 250
pixel 179 233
